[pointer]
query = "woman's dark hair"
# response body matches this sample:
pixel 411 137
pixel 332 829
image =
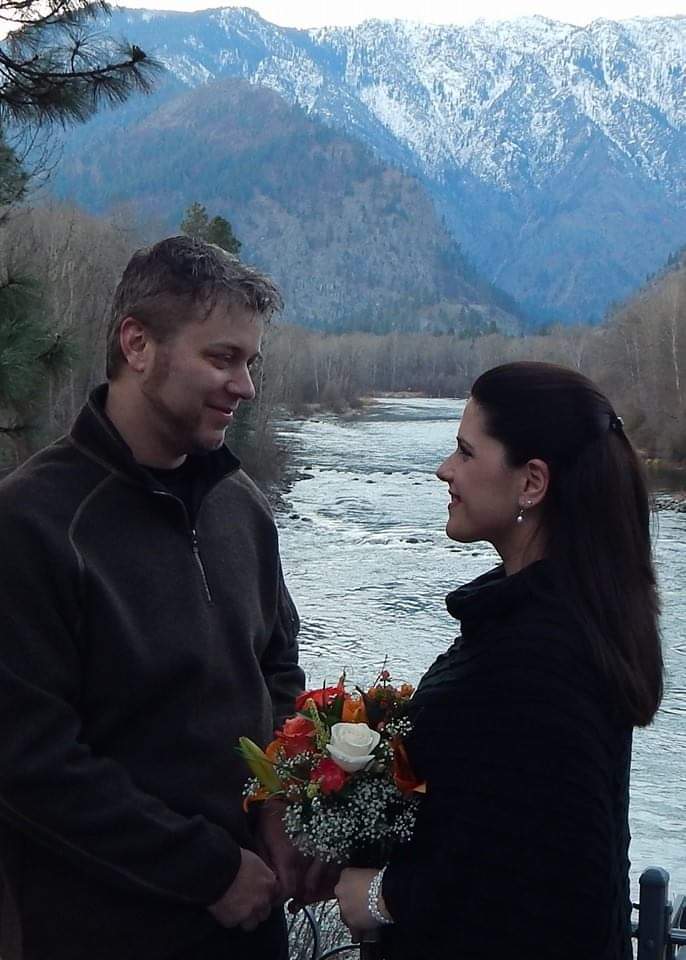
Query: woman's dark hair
pixel 596 516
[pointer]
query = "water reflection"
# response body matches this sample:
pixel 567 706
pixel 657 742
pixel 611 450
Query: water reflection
pixel 369 564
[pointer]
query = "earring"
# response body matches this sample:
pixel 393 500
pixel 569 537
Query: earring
pixel 520 516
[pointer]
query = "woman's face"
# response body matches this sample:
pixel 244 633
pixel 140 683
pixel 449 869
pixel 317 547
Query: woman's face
pixel 485 493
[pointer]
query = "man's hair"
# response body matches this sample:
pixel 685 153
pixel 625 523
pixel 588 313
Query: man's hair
pixel 171 283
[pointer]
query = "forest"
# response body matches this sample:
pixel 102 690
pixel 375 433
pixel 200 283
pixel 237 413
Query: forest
pixel 59 267
pixel 638 356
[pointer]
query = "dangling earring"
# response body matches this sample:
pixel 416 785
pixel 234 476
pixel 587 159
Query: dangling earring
pixel 520 516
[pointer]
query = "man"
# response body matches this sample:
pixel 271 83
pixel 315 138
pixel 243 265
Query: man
pixel 144 627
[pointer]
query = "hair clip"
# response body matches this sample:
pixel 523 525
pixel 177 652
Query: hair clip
pixel 616 423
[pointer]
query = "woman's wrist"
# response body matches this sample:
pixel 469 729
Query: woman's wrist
pixel 375 901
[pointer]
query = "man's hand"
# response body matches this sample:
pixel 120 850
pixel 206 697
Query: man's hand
pixel 250 898
pixel 288 864
pixel 317 884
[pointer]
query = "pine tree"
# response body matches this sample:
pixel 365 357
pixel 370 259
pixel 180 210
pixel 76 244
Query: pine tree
pixel 31 357
pixel 53 68
pixel 196 223
pixel 219 231
pixel 12 177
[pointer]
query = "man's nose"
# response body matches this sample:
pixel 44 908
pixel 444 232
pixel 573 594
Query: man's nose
pixel 242 385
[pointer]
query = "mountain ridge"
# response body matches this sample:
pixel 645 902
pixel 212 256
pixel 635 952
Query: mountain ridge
pixel 503 122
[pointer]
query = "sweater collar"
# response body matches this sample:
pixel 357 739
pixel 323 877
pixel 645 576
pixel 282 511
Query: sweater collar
pixel 494 595
pixel 98 438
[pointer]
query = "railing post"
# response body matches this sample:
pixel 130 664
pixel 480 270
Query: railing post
pixel 653 914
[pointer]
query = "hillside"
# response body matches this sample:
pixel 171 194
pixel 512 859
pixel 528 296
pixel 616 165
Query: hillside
pixel 354 243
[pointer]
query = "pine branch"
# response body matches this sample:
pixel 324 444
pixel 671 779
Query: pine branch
pixel 52 70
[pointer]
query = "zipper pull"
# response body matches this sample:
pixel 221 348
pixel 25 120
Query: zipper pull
pixel 195 546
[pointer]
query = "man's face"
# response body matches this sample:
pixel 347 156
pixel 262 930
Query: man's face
pixel 195 381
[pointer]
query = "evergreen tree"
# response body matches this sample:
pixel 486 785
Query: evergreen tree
pixel 219 231
pixel 12 177
pixel 196 223
pixel 53 68
pixel 31 357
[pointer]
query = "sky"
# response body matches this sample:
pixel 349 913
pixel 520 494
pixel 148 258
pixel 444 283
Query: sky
pixel 311 13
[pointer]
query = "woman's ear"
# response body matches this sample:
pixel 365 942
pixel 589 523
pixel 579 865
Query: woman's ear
pixel 536 482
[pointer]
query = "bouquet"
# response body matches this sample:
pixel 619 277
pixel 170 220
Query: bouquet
pixel 340 767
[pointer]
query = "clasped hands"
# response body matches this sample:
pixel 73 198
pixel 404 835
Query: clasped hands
pixel 278 872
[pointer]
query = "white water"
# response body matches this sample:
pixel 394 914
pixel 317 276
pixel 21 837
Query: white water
pixel 368 564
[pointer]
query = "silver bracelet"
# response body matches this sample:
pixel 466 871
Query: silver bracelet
pixel 373 899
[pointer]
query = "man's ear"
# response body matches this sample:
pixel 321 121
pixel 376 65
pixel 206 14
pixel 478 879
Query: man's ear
pixel 135 344
pixel 536 482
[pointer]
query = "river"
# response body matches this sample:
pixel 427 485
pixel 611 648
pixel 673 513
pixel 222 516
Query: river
pixel 368 564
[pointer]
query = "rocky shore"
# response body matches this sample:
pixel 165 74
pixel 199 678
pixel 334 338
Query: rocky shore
pixel 670 501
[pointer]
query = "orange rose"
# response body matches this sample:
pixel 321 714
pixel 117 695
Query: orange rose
pixel 296 736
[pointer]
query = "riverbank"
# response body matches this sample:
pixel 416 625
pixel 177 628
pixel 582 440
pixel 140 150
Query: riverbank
pixel 670 501
pixel 667 480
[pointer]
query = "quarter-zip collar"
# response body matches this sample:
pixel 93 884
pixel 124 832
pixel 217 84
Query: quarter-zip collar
pixel 97 437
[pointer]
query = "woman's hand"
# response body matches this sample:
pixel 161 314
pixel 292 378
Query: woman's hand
pixel 352 891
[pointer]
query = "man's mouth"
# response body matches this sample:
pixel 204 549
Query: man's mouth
pixel 225 412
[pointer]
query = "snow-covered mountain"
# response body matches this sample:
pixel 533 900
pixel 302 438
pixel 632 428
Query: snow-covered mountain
pixel 556 154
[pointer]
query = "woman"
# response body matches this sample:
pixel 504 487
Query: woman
pixel 522 730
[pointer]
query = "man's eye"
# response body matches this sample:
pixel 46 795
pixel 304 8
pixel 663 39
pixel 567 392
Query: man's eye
pixel 221 360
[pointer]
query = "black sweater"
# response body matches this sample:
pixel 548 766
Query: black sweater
pixel 521 846
pixel 133 654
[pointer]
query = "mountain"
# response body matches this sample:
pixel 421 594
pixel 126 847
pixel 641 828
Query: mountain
pixel 354 243
pixel 555 154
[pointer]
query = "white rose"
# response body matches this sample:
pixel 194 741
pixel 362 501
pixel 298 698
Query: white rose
pixel 352 745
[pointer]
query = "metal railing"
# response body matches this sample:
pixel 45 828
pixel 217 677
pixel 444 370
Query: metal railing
pixel 659 930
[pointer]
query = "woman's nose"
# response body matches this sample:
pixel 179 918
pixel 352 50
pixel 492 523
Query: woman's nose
pixel 443 471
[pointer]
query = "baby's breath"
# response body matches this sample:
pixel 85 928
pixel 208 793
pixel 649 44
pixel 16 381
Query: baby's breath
pixel 370 814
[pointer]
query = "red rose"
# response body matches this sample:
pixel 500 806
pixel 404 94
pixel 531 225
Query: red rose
pixel 330 776
pixel 323 697
pixel 296 736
